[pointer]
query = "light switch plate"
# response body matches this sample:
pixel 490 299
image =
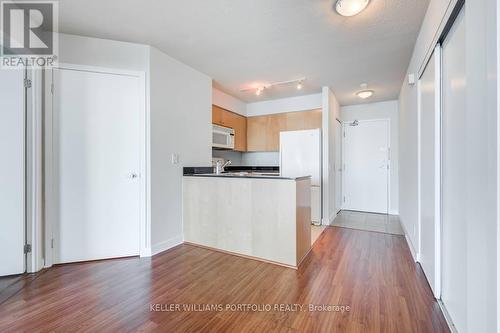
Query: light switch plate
pixel 411 79
pixel 175 158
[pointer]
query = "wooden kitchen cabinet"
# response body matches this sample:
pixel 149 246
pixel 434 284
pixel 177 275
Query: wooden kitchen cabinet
pixel 235 121
pixel 275 124
pixel 263 132
pixel 296 121
pixel 218 115
pixel 239 124
pixel 257 133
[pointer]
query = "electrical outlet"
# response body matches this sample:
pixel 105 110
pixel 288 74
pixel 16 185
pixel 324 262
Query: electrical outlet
pixel 175 158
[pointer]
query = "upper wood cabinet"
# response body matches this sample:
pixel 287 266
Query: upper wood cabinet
pixel 235 121
pixel 218 115
pixel 263 132
pixel 239 124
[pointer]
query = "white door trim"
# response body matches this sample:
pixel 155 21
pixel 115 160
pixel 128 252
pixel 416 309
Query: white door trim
pixel 145 222
pixel 346 123
pixel 34 177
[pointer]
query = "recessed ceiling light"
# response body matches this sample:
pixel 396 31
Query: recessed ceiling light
pixel 364 93
pixel 350 7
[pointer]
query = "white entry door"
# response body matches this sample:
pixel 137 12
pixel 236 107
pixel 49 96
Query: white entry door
pixel 11 172
pixel 366 166
pixel 97 162
pixel 430 155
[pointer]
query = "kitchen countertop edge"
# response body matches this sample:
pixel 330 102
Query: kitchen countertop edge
pixel 250 177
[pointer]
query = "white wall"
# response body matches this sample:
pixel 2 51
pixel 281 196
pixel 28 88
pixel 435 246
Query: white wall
pixel 381 110
pixel 481 149
pixel 290 104
pixel 331 112
pixel 103 53
pixel 181 104
pixel 228 102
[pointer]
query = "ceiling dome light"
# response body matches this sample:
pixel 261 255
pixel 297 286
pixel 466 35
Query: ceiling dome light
pixel 364 93
pixel 299 85
pixel 259 91
pixel 350 7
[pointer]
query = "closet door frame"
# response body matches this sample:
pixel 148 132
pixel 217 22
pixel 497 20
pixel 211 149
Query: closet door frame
pixel 49 167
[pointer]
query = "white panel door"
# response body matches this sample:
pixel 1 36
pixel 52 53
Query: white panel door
pixel 338 166
pixel 366 166
pixel 11 172
pixel 97 151
pixel 454 189
pixel 430 128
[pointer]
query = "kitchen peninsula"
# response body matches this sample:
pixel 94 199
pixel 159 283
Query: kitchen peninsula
pixel 265 217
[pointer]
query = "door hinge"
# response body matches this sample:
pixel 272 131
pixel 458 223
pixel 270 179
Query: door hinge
pixel 344 198
pixel 27 83
pixel 27 248
pixel 52 243
pixel 52 89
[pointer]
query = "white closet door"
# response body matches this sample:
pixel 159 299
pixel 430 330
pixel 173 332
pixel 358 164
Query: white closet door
pixel 11 172
pixel 366 173
pixel 430 128
pixel 97 153
pixel 454 177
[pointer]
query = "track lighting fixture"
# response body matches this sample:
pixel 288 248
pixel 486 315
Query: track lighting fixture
pixel 261 87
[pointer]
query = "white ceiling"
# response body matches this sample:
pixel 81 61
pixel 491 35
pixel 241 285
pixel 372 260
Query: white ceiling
pixel 240 42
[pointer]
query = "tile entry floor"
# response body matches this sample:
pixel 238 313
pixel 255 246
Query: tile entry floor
pixel 388 224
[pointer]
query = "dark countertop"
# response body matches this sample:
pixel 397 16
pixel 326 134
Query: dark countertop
pixel 232 168
pixel 241 175
pixel 256 172
pixel 267 169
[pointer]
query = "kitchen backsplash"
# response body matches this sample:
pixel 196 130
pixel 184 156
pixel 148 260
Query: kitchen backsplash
pixel 252 158
pixel 234 156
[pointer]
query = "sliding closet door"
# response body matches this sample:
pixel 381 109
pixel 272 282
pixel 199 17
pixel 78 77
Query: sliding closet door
pixel 429 124
pixel 454 202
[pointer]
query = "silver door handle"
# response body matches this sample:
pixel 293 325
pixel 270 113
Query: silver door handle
pixel 134 175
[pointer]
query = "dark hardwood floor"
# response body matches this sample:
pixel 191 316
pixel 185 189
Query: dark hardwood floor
pixel 372 273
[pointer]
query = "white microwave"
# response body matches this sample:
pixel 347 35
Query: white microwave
pixel 222 137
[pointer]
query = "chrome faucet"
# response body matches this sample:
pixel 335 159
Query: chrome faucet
pixel 219 167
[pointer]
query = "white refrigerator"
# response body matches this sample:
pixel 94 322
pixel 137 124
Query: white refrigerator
pixel 300 155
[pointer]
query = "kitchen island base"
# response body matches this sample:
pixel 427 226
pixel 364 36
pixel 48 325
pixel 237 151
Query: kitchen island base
pixel 261 218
